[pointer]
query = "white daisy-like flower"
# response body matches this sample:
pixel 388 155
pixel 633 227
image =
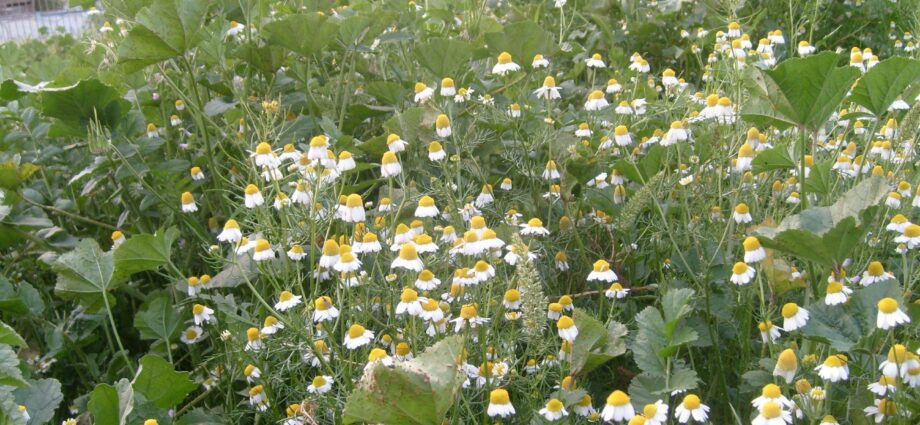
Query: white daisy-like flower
pixel 287 301
pixel 321 384
pixel 357 337
pixel 505 64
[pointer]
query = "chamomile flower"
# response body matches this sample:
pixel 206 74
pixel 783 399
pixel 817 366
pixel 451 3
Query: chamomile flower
pixel 805 48
pixel 772 393
pixel 889 315
pixel 323 310
pixel 899 362
pixel 253 339
pixel 613 86
pixel 258 398
pixel 202 314
pixel 875 273
pixel 617 408
pixel 886 385
pixel 389 165
pixel 263 156
pixel 505 64
pixel 447 87
pixel 882 409
pixel 596 101
pixel 548 90
pixel 742 274
pixel 768 332
pixel 395 144
pixel 252 373
pixel 253 197
pixel 357 337
pixel 188 203
pixel 422 92
pixel 296 253
pixel 834 368
pixel 910 237
pixel 287 301
pixel 787 364
pixel 655 413
pixel 409 302
pixel 468 316
pixel 426 207
pixel 753 252
pixel 191 335
pixel 408 259
pixel 534 227
pixel 263 251
pixel 436 151
pixel 837 293
pixel 539 62
pixel 118 237
pixel 677 133
pixel 567 329
pixel 553 410
pixel 595 61
pixel 500 403
pixel 601 272
pixel 691 408
pixel 271 325
pixel 321 384
pixel 794 317
pixel 772 413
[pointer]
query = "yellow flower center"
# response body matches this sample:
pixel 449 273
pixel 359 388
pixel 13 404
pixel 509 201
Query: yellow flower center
pixel 262 245
pixel 771 391
pixel 740 268
pixel 565 322
pixel 504 58
pixel 499 396
pixel 790 310
pixel 887 305
pixel 408 296
pixel 771 410
pixel 691 402
pixel 356 331
pixel 408 252
pixel 554 405
pixel 876 269
pixel 618 398
pixel 263 149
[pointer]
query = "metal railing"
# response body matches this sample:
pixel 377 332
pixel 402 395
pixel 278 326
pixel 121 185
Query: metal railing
pixel 37 19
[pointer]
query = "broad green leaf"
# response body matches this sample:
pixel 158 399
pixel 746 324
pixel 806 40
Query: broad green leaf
pixel 144 252
pixel 200 417
pixel 166 29
pixel 9 336
pixel 819 220
pixel 10 300
pixel 387 92
pixel 41 398
pixel 76 106
pixel 426 388
pixel 218 106
pixel 444 57
pixel 522 40
pixel 304 34
pixel 157 319
pixel 407 123
pixel 601 199
pixel 647 388
pixel 9 368
pixel 160 383
pixel 650 338
pixel 595 344
pixel 776 158
pixel 801 92
pixel 842 326
pixel 85 274
pixel 884 83
pixel 9 409
pixel 111 405
pixel 9 90
pixel 819 179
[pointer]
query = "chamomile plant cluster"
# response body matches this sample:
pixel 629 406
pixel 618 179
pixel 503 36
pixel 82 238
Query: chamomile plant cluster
pixel 319 212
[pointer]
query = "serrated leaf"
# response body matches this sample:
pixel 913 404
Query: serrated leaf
pixel 884 83
pixel 166 29
pixel 9 336
pixel 842 326
pixel 157 319
pixel 144 252
pixel 85 274
pixel 425 388
pixel 776 158
pixel 595 344
pixel 800 92
pixel 522 40
pixel 111 405
pixel 41 398
pixel 76 106
pixel 9 368
pixel 160 383
pixel 443 57
pixel 304 34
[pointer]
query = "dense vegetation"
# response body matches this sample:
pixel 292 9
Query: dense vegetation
pixel 301 212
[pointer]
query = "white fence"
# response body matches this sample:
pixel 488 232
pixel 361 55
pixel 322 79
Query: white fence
pixel 36 19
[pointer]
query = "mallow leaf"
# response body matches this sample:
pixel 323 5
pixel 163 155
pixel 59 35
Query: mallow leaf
pixel 884 83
